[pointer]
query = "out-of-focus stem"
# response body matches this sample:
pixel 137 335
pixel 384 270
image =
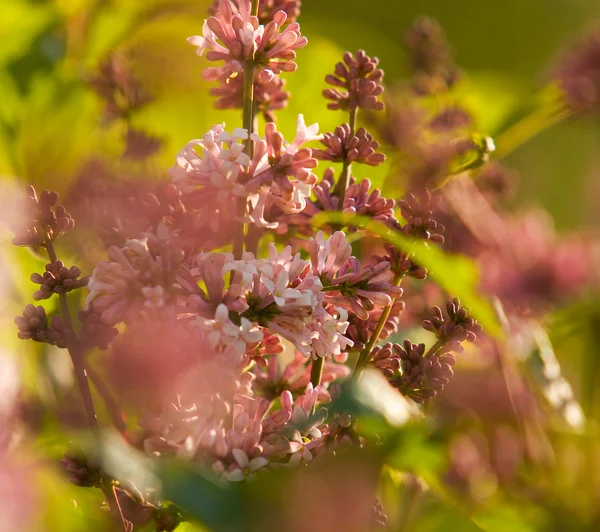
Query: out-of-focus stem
pixel 111 405
pixel 81 376
pixel 253 237
pixel 316 371
pixel 410 503
pixel 363 357
pixel 516 135
pixel 75 354
pixel 342 184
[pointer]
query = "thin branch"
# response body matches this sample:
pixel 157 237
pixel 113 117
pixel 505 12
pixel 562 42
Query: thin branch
pixel 248 125
pixel 316 371
pixel 342 184
pixel 74 350
pixel 365 354
pixel 111 405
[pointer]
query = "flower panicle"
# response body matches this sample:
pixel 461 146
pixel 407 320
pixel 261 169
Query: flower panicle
pixel 430 57
pixel 452 326
pixel 269 95
pixel 343 146
pixel 357 82
pixel 421 374
pixel 34 325
pixel 578 73
pixel 268 8
pixel 42 219
pixel 57 279
pixel 235 36
pixel 43 222
pixel 419 210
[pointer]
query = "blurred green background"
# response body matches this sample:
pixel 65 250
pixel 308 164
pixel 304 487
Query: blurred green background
pixel 52 124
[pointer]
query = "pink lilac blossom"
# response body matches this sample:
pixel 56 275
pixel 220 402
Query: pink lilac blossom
pixel 57 279
pixel 268 8
pixel 240 437
pixel 223 333
pixel 234 36
pixel 270 344
pixel 281 295
pixel 279 173
pixel 358 83
pixel 360 330
pixel 287 180
pixel 295 375
pixel 140 277
pixel 578 73
pixel 269 95
pixel 347 284
pixel 359 198
pixel 343 146
pixel 360 290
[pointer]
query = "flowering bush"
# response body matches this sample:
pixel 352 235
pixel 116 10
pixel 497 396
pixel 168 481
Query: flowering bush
pixel 265 343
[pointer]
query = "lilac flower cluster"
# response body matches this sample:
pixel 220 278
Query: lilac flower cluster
pixel 578 73
pixel 422 374
pixel 278 175
pixel 243 309
pixel 42 220
pixel 430 57
pixel 266 41
pixel 231 359
pixel 358 83
pixel 343 146
pixel 116 84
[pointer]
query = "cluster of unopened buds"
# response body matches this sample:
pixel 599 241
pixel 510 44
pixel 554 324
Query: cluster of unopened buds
pixel 277 326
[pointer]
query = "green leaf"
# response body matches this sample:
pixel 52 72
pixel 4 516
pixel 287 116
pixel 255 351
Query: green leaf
pixel 216 504
pixel 20 24
pixel 68 508
pixel 456 274
pixel 444 517
pixel 416 451
pixel 503 518
pixel 191 527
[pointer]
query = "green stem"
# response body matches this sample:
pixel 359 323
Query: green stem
pixel 364 355
pixel 433 349
pixel 517 135
pixel 253 238
pixel 248 125
pixel 342 184
pixel 81 376
pixel 332 288
pixel 111 405
pixel 410 503
pixel 75 354
pixel 316 371
pixel 589 386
